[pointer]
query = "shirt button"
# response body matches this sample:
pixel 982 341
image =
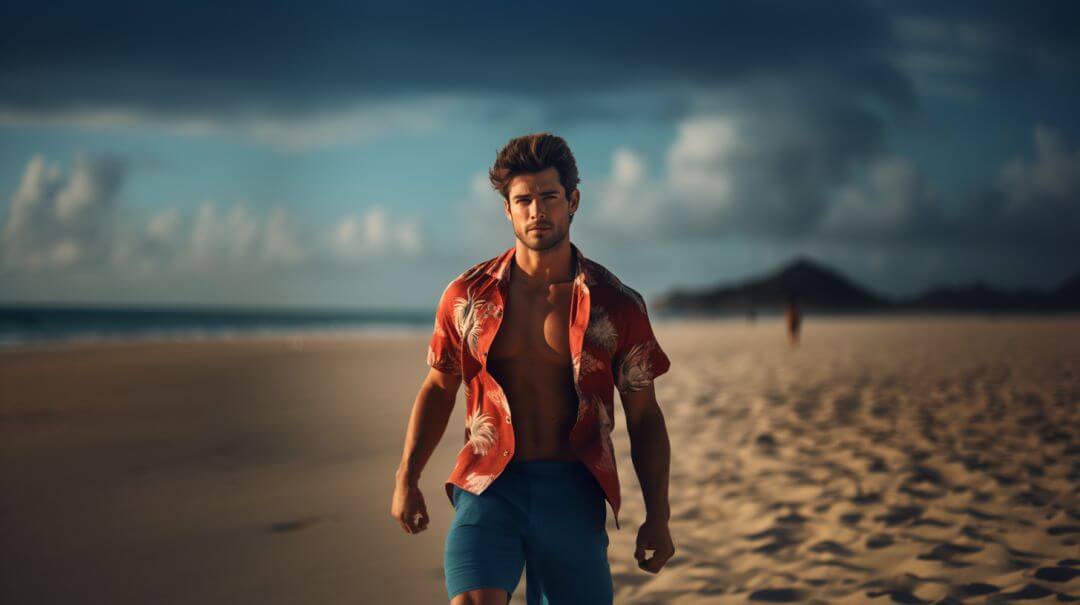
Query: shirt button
pixel 506 452
pixel 507 420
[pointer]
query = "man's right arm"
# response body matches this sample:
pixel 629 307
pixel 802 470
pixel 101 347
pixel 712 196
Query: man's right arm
pixel 427 423
pixel 431 410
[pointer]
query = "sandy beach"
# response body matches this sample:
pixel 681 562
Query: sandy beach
pixel 907 460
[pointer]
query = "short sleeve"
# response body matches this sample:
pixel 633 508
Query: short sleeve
pixel 444 349
pixel 638 358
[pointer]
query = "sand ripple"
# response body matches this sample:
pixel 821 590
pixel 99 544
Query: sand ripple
pixel 885 461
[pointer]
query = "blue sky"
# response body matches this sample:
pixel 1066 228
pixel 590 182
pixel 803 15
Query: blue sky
pixel 188 153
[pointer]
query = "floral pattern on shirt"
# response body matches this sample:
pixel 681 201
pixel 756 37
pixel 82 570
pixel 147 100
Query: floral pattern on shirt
pixel 477 483
pixel 481 433
pixel 601 331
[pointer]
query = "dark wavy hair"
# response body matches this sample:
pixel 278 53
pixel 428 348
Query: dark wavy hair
pixel 534 153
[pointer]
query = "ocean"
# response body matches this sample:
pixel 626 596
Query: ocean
pixel 21 325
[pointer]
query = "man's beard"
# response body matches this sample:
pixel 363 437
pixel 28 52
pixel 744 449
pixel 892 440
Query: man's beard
pixel 554 238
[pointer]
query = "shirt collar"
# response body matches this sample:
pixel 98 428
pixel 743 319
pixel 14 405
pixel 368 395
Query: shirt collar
pixel 500 270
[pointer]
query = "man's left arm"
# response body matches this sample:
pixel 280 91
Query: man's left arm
pixel 650 451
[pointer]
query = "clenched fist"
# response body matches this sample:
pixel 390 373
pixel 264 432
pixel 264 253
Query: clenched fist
pixel 408 508
pixel 656 537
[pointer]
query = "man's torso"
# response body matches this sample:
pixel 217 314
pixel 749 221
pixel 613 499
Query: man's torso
pixel 530 359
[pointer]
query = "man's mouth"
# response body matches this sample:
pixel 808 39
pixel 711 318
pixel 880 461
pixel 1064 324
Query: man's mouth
pixel 540 228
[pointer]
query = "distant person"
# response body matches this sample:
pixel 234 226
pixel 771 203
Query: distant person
pixel 542 337
pixel 794 319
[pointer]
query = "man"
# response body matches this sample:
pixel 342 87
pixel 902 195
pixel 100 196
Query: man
pixel 541 337
pixel 793 317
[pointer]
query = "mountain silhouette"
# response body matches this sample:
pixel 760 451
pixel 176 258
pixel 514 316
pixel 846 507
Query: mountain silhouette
pixel 813 286
pixel 817 287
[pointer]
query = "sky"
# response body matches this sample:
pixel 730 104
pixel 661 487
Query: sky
pixel 335 154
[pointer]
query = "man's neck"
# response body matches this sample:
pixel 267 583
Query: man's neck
pixel 540 268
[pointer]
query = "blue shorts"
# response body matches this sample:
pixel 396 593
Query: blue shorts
pixel 547 516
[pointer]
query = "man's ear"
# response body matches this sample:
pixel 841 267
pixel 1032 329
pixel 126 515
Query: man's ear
pixel 506 210
pixel 575 198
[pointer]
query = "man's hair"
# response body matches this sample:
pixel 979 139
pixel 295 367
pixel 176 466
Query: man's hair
pixel 534 153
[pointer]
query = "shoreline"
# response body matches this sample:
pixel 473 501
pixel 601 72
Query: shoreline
pixel 405 331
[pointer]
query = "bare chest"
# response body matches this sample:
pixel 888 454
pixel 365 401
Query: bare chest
pixel 535 327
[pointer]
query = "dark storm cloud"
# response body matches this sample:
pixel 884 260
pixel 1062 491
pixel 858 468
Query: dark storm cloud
pixel 823 178
pixel 278 58
pixel 1042 34
pixel 1032 203
pixel 996 45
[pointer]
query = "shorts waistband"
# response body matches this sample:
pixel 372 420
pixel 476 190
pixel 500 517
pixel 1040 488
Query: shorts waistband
pixel 546 467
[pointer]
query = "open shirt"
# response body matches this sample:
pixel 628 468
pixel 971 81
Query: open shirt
pixel 611 346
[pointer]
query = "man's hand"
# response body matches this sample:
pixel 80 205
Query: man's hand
pixel 408 508
pixel 654 536
pixel 427 421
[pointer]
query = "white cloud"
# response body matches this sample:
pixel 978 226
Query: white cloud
pixel 629 168
pixel 374 231
pixel 56 223
pixel 352 127
pixel 359 124
pixel 627 200
pixel 701 161
pixel 372 234
pixel 282 244
pixel 407 235
pixel 65 253
pixel 765 170
pixel 164 225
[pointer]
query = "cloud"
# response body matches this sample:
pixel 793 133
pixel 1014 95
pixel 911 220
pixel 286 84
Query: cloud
pixel 359 124
pixel 209 239
pixel 627 200
pixel 1036 201
pixel 881 219
pixel 973 48
pixel 56 223
pixel 1048 183
pixel 1030 205
pixel 769 178
pixel 239 238
pixel 893 203
pixel 372 233
pixel 318 77
pixel 760 165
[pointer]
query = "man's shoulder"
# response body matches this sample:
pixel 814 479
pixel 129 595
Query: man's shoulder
pixel 618 295
pixel 469 278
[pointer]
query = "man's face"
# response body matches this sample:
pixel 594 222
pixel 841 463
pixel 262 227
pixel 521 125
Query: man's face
pixel 539 209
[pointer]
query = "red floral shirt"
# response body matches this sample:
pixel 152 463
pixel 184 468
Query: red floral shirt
pixel 611 346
